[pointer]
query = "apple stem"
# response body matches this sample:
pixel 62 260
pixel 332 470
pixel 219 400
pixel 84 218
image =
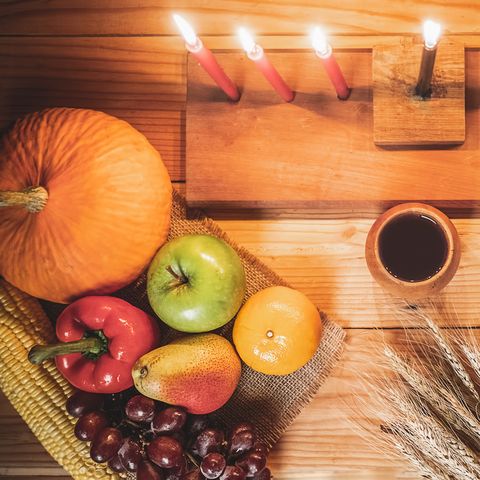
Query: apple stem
pixel 180 278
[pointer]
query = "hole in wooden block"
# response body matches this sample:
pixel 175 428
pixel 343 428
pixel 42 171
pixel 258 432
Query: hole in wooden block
pixel 401 117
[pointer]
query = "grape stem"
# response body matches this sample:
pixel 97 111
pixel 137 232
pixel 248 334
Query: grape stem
pixel 192 459
pixel 128 422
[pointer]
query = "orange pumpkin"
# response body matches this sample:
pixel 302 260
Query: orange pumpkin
pixel 85 203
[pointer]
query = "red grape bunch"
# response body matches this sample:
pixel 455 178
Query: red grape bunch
pixel 135 434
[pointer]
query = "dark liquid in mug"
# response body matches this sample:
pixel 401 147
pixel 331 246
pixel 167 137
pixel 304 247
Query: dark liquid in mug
pixel 413 247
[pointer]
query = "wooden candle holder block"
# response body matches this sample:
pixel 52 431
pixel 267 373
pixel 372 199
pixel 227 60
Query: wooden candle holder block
pixel 400 117
pixel 316 155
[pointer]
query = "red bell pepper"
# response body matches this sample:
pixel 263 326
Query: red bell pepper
pixel 100 340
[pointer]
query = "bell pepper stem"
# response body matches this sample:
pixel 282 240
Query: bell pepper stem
pixel 40 353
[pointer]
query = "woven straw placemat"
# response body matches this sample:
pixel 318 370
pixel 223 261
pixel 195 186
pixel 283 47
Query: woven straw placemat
pixel 39 393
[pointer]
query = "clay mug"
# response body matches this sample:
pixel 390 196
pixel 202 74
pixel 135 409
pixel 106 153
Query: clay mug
pixel 413 289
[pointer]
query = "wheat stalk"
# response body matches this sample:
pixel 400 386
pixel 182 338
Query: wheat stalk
pixel 429 427
pixel 418 434
pixel 450 355
pixel 472 357
pixel 422 429
pixel 418 460
pixel 428 398
pixel 452 409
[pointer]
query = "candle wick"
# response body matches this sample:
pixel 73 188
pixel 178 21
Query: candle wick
pixel 326 53
pixel 195 47
pixel 256 53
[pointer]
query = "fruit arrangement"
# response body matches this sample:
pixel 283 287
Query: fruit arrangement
pixel 90 218
pixel 135 434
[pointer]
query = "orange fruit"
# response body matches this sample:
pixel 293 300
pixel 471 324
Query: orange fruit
pixel 277 331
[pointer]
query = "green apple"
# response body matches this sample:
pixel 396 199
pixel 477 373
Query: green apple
pixel 196 283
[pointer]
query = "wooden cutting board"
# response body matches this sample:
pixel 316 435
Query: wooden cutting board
pixel 316 152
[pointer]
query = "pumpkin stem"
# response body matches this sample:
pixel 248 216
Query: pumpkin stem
pixel 33 199
pixel 40 353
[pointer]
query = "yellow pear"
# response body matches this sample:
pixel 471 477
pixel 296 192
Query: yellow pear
pixel 197 372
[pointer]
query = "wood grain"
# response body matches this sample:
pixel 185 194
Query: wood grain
pixel 316 151
pixel 325 260
pixel 93 17
pixel 143 80
pixel 400 117
pixel 140 80
pixel 322 443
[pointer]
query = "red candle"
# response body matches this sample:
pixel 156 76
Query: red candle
pixel 255 52
pixel 206 59
pixel 324 52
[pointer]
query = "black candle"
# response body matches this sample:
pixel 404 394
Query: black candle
pixel 426 71
pixel 431 34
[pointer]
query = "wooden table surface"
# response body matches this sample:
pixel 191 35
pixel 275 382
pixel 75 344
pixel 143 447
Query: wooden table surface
pixel 123 57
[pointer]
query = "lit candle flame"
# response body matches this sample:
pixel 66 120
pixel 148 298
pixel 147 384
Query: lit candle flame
pixel 186 30
pixel 247 41
pixel 320 42
pixel 431 33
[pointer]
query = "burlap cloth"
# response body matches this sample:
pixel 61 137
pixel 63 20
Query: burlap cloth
pixel 270 402
pixel 39 393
